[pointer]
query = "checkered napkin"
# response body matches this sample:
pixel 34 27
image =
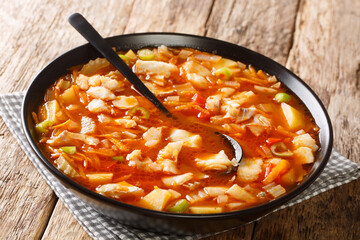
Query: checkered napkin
pixel 338 171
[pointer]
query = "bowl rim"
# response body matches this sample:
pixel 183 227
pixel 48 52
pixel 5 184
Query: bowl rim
pixel 262 208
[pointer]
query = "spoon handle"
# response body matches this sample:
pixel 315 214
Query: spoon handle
pixel 94 38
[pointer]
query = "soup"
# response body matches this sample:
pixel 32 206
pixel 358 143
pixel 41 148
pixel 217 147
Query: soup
pixel 101 133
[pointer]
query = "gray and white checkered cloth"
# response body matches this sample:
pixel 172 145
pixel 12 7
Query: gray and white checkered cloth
pixel 338 171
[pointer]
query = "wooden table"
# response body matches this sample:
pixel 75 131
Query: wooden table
pixel 318 40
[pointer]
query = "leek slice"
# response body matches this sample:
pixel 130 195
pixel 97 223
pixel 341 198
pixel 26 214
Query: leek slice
pixel 179 207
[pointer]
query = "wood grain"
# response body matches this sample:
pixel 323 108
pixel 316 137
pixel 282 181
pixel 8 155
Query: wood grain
pixel 25 199
pixel 319 41
pixel 326 55
pixel 63 225
pixel 263 26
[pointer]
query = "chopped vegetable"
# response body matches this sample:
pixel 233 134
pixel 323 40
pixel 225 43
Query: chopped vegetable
pixel 64 84
pixel 275 191
pixel 124 58
pixel 69 149
pixel 215 191
pixel 43 126
pixel 224 62
pixel 69 96
pixel 279 149
pixel 65 167
pixel 177 180
pixel 131 55
pixel 179 207
pixel 294 118
pixel 205 210
pixel 99 178
pixel 282 97
pixel 271 141
pixel 144 113
pixel 223 73
pixel 281 167
pixel 240 193
pixel 118 158
pixel 146 54
pixel 199 100
pixel 157 199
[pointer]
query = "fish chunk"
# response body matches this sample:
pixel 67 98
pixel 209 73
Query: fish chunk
pixel 196 74
pixel 216 162
pixel 125 102
pixel 213 104
pixel 168 166
pixel 67 137
pixel 167 157
pixel 127 123
pixel 304 155
pixel 305 140
pixel 97 106
pixel 111 84
pixel 101 93
pixel 136 160
pixel 83 82
pixel 87 125
pixel 155 68
pixel 177 180
pixel 189 139
pixel 152 136
pixel 197 81
pixel 117 190
pixel 170 151
pixel 95 81
pixel 249 169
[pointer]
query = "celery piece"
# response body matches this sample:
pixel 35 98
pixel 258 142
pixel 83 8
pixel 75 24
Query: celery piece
pixel 179 207
pixel 146 54
pixel 223 73
pixel 118 158
pixel 124 58
pixel 43 126
pixel 68 149
pixel 280 146
pixel 282 97
pixel 144 113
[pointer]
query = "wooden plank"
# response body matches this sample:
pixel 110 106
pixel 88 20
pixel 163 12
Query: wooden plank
pixel 263 26
pixel 25 199
pixel 326 54
pixel 31 41
pixel 241 233
pixel 63 225
pixel 175 16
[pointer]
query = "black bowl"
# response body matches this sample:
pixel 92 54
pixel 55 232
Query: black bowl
pixel 163 221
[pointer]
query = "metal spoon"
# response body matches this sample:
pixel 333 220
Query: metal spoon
pixel 94 38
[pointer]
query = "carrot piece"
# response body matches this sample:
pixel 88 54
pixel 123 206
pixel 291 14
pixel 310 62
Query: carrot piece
pixel 35 117
pixel 199 100
pixel 276 171
pixel 75 74
pixel 271 141
pixel 118 144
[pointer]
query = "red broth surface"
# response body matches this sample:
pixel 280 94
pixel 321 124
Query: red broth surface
pixel 100 132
